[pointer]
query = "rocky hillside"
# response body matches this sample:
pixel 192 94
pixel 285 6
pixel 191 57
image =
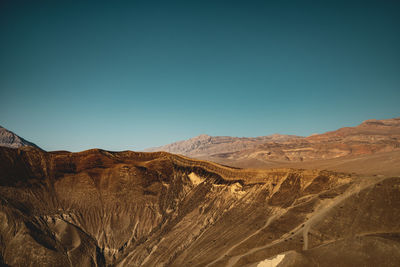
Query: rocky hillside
pixel 10 139
pixel 101 208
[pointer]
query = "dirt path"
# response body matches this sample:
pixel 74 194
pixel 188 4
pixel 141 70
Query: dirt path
pixel 267 223
pixel 326 205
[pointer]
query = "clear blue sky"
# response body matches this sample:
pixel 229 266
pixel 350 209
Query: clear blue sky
pixel 134 74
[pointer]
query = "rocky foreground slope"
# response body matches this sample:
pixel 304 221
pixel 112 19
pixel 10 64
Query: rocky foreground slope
pixel 101 208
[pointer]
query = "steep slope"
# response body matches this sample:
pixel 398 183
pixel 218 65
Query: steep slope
pixel 10 139
pixel 98 208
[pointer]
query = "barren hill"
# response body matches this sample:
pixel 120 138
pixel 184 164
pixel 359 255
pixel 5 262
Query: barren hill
pixel 101 208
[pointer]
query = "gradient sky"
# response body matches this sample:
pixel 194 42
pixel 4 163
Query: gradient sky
pixel 123 75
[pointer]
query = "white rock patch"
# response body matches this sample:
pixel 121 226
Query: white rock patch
pixel 195 179
pixel 236 188
pixel 271 262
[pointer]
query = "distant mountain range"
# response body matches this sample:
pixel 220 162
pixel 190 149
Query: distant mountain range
pixel 346 149
pixel 371 136
pixel 10 139
pixel 205 145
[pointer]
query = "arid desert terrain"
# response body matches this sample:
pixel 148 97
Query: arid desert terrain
pixel 331 199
